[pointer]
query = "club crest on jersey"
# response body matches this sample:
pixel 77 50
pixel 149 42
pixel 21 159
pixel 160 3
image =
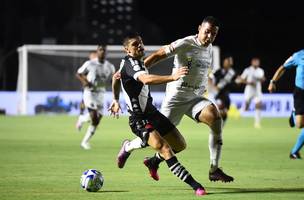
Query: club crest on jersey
pixel 136 68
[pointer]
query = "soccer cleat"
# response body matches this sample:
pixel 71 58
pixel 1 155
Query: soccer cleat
pixel 291 121
pixel 257 125
pixel 122 155
pixel 200 192
pixel 219 175
pixel 295 156
pixel 152 169
pixel 85 145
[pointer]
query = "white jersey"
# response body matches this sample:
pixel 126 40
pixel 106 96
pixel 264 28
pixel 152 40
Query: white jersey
pixel 254 76
pixel 184 96
pixel 97 73
pixel 190 52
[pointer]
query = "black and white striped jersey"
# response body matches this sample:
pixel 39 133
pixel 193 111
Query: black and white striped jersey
pixel 224 80
pixel 137 95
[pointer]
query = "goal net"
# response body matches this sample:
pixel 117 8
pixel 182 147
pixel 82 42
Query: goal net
pixel 53 68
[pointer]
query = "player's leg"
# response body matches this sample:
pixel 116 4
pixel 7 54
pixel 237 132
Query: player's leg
pixel 82 119
pixel 126 148
pixel 298 119
pixel 163 148
pixel 206 112
pixel 223 104
pixel 81 107
pixel 257 115
pixel 174 138
pixel 95 119
pixel 168 131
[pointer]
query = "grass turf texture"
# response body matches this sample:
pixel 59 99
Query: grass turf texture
pixel 41 158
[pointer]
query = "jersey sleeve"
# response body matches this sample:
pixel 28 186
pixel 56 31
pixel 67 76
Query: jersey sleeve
pixel 84 68
pixel 227 79
pixel 290 62
pixel 112 68
pixel 244 74
pixel 134 68
pixel 174 47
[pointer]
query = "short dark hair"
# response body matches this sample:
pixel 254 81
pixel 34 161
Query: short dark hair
pixel 211 20
pixel 102 46
pixel 226 55
pixel 129 36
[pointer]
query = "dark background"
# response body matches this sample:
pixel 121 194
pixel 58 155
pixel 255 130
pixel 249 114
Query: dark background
pixel 269 30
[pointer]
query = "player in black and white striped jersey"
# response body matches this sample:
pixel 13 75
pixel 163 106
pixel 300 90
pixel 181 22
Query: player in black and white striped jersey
pixel 222 81
pixel 145 120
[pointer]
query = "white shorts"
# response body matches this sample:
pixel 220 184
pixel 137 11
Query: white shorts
pixel 93 100
pixel 252 94
pixel 174 109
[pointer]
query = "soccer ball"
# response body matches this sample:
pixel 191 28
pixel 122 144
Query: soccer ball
pixel 91 180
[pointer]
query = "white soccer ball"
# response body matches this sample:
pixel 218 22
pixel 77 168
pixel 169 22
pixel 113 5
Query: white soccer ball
pixel 91 180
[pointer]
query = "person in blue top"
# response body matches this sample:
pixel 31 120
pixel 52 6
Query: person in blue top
pixel 297 118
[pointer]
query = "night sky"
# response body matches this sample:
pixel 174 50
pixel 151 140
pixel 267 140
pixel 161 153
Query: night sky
pixel 271 31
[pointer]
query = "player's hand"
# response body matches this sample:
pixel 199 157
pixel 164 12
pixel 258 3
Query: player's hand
pixel 238 80
pixel 114 109
pixel 88 84
pixel 272 87
pixel 181 72
pixel 117 75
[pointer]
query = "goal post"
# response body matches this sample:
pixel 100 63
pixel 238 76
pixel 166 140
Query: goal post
pixel 53 68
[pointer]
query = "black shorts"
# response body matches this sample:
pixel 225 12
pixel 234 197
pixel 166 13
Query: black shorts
pixel 225 101
pixel 143 125
pixel 298 98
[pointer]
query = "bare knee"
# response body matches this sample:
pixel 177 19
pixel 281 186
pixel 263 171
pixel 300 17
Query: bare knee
pixel 209 115
pixel 300 125
pixel 299 121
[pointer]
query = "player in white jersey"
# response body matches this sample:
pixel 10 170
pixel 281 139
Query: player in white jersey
pixel 83 116
pixel 252 77
pixel 93 75
pixel 184 96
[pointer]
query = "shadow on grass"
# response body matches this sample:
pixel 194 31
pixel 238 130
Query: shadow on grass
pixel 112 191
pixel 254 190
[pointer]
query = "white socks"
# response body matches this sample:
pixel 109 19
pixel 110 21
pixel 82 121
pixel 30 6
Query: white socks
pixel 84 118
pixel 133 144
pixel 257 118
pixel 215 143
pixel 90 132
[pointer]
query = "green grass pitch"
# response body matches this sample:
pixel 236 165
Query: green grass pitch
pixel 41 158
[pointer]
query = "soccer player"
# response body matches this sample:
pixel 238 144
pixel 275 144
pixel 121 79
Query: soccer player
pixel 222 81
pixel 253 77
pixel 84 117
pixel 145 120
pixel 93 75
pixel 297 118
pixel 184 97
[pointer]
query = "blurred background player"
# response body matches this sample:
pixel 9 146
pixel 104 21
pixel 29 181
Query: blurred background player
pixel 222 81
pixel 297 117
pixel 145 120
pixel 93 75
pixel 253 77
pixel 85 117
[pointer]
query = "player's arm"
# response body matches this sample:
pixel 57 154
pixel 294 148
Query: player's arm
pixel 152 79
pixel 165 52
pixel 155 57
pixel 115 106
pixel 277 75
pixel 83 79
